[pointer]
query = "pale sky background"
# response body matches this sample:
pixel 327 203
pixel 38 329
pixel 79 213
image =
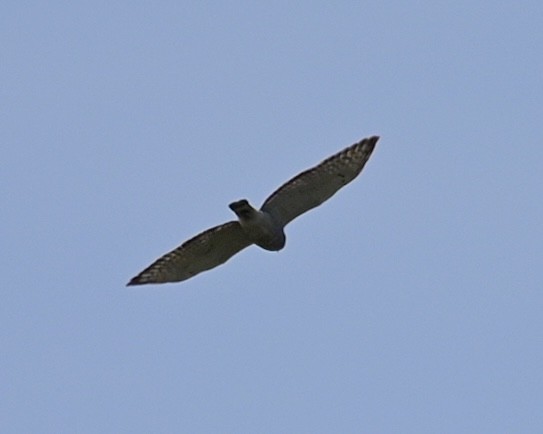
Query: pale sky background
pixel 411 302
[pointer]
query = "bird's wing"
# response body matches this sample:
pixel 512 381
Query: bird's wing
pixel 203 252
pixel 312 187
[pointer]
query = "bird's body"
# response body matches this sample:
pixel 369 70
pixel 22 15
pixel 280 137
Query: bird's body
pixel 259 226
pixel 264 227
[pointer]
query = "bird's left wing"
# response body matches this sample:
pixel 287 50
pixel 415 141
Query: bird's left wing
pixel 312 187
pixel 203 252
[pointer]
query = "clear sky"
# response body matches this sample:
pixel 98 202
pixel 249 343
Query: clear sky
pixel 411 302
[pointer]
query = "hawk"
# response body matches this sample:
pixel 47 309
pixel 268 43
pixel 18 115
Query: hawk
pixel 264 227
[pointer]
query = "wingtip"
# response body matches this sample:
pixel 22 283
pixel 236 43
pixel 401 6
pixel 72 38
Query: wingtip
pixel 370 142
pixel 367 141
pixel 133 282
pixel 367 144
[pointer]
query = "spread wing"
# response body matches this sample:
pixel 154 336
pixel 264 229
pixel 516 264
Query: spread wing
pixel 312 187
pixel 203 252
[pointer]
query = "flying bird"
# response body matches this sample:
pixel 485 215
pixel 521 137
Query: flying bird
pixel 264 227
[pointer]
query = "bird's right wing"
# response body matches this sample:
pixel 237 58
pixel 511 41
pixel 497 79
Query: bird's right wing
pixel 312 187
pixel 203 252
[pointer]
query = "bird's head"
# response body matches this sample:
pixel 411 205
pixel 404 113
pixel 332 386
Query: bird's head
pixel 242 208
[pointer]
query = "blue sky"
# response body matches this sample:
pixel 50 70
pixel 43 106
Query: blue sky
pixel 410 302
